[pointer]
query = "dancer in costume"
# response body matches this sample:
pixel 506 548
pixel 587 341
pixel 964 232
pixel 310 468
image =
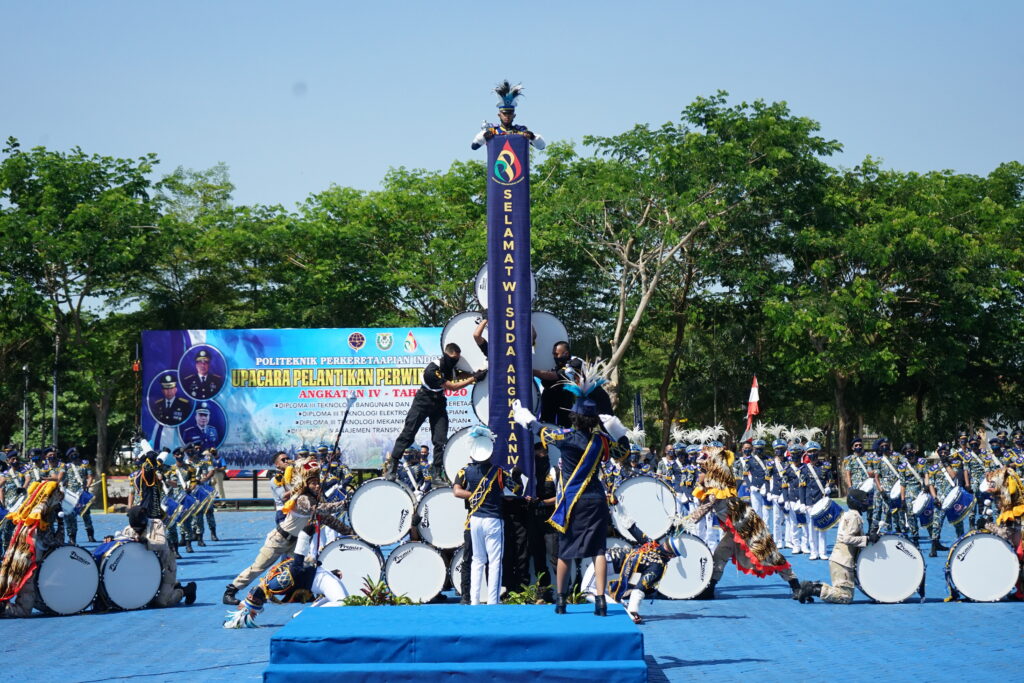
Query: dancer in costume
pixel 1004 485
pixel 581 509
pixel 35 532
pixel 640 567
pixel 508 96
pixel 298 578
pixel 745 537
pixel 843 560
pixel 303 506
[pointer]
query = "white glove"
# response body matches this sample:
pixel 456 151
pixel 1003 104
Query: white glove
pixel 828 490
pixel 689 526
pixel 613 426
pixel 521 415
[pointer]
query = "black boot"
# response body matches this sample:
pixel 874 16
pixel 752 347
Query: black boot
pixel 92 538
pixel 709 592
pixel 229 595
pixel 190 592
pixel 600 606
pixel 809 590
pixel 559 603
pixel 188 547
pixel 73 538
pixel 794 583
pixel 937 544
pixel 201 543
pixel 213 535
pixel 177 555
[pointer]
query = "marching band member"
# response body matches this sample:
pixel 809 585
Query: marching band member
pixel 913 484
pixel 886 476
pixel 843 560
pixel 940 479
pixel 205 472
pixel 508 96
pixel 757 471
pixel 144 529
pixel 777 492
pixel 280 481
pixel 302 506
pixel 482 484
pixel 813 484
pixel 796 531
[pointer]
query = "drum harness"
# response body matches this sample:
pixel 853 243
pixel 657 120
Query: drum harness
pixel 895 472
pixel 764 470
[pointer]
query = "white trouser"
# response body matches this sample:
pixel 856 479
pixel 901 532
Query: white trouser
pixel 795 537
pixel 708 532
pixel 757 503
pixel 778 523
pixel 487 534
pixel 818 544
pixel 328 585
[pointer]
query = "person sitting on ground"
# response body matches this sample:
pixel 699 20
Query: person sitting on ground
pixel 153 533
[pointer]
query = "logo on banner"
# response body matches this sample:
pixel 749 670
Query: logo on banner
pixel 356 341
pixel 507 168
pixel 410 342
pixel 384 340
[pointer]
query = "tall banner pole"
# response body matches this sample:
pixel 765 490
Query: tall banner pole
pixel 510 343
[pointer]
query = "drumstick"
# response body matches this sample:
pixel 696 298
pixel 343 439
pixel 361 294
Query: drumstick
pixel 351 400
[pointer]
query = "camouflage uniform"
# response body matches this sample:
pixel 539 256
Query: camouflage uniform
pixel 881 509
pixel 184 473
pixel 937 477
pixel 975 462
pixel 906 520
pixel 75 483
pixel 8 496
pixel 87 473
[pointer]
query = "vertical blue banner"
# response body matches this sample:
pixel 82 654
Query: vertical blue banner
pixel 510 346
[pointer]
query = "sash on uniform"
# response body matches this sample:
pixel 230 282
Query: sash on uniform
pixel 483 487
pixel 565 500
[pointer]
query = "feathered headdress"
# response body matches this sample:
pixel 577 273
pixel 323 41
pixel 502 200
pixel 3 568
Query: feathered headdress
pixel 794 435
pixel 582 383
pixel 768 432
pixel 508 94
pixel 679 435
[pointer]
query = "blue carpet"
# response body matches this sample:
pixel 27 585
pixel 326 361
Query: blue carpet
pixel 754 632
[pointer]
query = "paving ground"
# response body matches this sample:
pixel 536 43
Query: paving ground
pixel 753 633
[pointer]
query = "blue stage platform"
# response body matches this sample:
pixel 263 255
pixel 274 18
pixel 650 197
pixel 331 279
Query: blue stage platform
pixel 418 643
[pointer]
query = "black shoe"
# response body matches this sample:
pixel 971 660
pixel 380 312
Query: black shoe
pixel 201 543
pixel 190 592
pixel 794 584
pixel 229 595
pixel 213 536
pixel 92 539
pixel 73 540
pixel 188 547
pixel 937 545
pixel 560 603
pixel 464 600
pixel 600 606
pixel 808 591
pixel 708 593
pixel 177 555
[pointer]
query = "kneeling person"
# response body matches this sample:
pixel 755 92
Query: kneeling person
pixel 153 533
pixel 843 560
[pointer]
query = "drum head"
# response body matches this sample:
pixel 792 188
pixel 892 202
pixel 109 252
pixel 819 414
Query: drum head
pixel 67 580
pixel 983 567
pixel 355 559
pixel 612 542
pixel 689 573
pixel 647 501
pixel 131 576
pixel 460 446
pixel 481 287
pixel 455 570
pixel 481 400
pixel 442 518
pixel 890 570
pixel 459 330
pixel 415 570
pixel 381 511
pixel 549 331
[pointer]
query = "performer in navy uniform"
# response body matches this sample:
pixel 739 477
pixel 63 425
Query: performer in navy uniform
pixel 483 487
pixel 581 508
pixel 202 384
pixel 203 433
pixel 508 95
pixel 430 403
pixel 172 409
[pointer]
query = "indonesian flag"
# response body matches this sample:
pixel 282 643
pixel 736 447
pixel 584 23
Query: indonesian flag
pixel 752 408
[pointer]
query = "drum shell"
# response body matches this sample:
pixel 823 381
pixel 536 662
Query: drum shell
pixel 652 512
pixel 896 496
pixel 459 330
pixel 924 509
pixel 1001 569
pixel 87 582
pixel 957 504
pixel 331 557
pixel 381 526
pixel 905 558
pixel 698 563
pixel 113 561
pixel 444 531
pixel 825 514
pixel 455 569
pixel 395 573
pixel 459 447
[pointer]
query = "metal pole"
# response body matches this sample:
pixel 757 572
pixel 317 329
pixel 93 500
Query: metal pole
pixel 56 356
pixel 24 414
pixel 255 478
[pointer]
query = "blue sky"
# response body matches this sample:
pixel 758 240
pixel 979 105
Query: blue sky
pixel 296 96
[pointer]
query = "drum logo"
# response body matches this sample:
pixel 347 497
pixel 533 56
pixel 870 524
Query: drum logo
pixel 507 168
pixel 425 517
pixel 75 556
pixel 401 520
pixel 403 556
pixel 384 340
pixel 903 549
pixel 963 553
pixel 703 567
pixel 117 561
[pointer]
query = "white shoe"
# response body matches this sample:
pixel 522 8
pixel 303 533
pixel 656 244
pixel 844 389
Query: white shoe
pixel 813 557
pixel 797 551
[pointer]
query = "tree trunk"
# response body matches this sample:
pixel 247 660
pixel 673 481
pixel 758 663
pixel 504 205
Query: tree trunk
pixel 667 412
pixel 842 415
pixel 101 410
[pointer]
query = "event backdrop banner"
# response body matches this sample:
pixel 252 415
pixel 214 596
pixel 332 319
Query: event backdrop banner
pixel 251 393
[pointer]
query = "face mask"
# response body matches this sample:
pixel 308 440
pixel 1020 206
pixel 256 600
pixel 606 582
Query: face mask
pixel 448 364
pixel 561 361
